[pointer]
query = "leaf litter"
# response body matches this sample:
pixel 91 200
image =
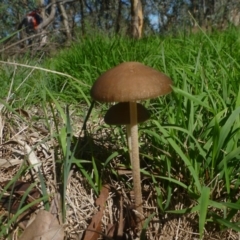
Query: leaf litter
pixel 29 145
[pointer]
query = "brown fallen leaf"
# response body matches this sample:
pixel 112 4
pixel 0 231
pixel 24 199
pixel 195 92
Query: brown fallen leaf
pixel 44 227
pixel 13 195
pixel 94 228
pixel 121 219
pixel 111 229
pixel 5 163
pixel 101 200
pixel 23 113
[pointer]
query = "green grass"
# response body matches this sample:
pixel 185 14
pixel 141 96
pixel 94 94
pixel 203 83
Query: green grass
pixel 193 135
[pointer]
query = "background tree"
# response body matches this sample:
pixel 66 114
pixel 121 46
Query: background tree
pixel 137 18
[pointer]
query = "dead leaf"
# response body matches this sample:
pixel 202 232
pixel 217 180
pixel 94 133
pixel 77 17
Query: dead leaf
pixel 55 208
pixel 111 228
pixel 44 227
pixel 101 200
pixel 14 194
pixel 121 219
pixel 23 113
pixel 94 228
pixel 4 163
pixel 32 158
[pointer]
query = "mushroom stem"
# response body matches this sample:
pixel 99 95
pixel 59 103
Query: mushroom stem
pixel 135 161
pixel 128 129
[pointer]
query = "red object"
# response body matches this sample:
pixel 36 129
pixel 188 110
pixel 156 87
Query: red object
pixel 31 21
pixel 35 18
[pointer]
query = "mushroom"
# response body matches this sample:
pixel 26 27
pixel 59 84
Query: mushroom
pixel 119 114
pixel 131 82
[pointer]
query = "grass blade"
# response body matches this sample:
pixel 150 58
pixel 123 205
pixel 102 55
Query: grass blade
pixel 203 203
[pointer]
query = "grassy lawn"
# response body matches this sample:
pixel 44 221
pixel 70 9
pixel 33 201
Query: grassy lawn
pixel 188 149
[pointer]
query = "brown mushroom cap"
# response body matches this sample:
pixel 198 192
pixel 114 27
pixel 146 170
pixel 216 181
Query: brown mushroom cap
pixel 129 82
pixel 119 114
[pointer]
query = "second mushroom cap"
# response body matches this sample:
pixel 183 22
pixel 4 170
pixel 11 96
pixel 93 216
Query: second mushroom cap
pixel 119 114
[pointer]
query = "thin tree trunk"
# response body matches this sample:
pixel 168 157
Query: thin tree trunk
pixel 137 18
pixel 82 17
pixel 119 15
pixel 65 22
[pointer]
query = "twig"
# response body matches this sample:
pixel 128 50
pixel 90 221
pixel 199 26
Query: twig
pixel 45 70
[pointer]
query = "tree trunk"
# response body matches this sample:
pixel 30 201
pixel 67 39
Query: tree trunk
pixel 65 22
pixel 82 17
pixel 119 15
pixel 137 19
